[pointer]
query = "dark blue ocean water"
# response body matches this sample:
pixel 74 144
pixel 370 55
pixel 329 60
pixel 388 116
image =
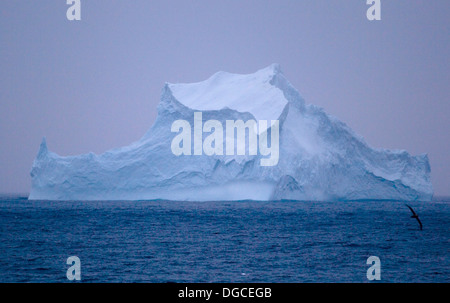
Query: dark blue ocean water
pixel 223 241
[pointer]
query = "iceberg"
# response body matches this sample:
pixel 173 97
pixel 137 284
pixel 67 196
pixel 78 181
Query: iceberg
pixel 319 157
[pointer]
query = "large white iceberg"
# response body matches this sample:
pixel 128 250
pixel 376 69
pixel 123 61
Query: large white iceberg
pixel 320 158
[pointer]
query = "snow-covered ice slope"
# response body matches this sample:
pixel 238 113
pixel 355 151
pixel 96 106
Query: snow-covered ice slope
pixel 320 158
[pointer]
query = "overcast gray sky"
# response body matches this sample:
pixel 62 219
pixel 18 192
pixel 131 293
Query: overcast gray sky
pixel 94 84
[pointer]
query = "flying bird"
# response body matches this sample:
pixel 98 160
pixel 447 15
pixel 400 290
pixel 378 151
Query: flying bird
pixel 415 216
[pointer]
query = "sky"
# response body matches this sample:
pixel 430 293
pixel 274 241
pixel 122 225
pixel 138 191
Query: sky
pixel 94 84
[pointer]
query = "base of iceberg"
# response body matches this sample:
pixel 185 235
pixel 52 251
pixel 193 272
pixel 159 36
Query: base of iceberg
pixel 320 158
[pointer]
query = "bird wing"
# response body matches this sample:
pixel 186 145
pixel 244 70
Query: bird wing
pixel 420 223
pixel 412 210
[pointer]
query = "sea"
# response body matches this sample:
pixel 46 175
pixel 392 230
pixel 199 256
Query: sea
pixel 242 242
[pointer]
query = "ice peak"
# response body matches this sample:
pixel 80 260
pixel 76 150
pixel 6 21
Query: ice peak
pixel 43 150
pixel 253 93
